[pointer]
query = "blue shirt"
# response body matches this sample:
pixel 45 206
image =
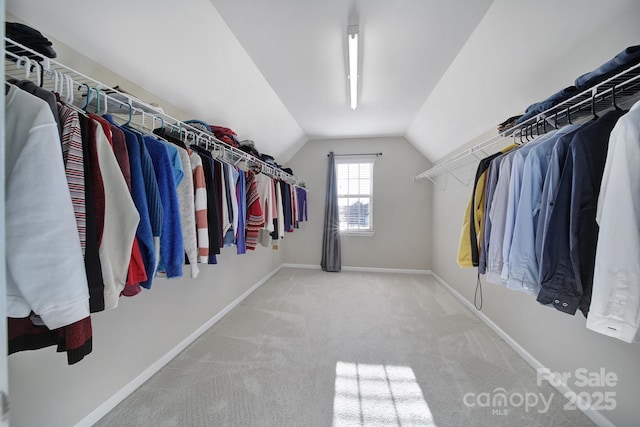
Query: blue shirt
pixel 139 195
pixel 515 184
pixel 568 255
pixel 176 163
pixel 171 243
pixel 523 262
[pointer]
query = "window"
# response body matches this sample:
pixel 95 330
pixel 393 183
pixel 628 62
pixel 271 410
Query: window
pixel 355 195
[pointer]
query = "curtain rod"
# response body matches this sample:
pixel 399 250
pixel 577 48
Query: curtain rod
pixel 358 154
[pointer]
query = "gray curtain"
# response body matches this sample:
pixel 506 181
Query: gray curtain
pixel 331 252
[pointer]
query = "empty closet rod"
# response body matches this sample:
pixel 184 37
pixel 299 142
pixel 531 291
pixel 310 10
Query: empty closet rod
pixel 357 155
pixel 56 71
pixel 625 83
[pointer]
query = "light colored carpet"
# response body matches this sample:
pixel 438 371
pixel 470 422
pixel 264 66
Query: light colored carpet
pixel 310 348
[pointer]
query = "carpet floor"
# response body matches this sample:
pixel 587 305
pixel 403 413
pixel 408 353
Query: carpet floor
pixel 310 348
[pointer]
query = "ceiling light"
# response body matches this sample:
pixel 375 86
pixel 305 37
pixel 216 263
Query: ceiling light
pixel 352 36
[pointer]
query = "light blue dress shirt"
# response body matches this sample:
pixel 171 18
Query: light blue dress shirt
pixel 523 263
pixel 515 184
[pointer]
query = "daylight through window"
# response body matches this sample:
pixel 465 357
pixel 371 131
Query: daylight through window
pixel 355 194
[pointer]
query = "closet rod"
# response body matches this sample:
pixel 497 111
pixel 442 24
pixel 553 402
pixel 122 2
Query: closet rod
pixel 52 74
pixel 619 89
pixel 356 154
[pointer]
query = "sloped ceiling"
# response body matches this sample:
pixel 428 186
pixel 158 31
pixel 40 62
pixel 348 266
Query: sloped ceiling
pixel 438 73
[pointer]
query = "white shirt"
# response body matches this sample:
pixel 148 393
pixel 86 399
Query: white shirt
pixel 121 220
pixel 45 267
pixel 615 300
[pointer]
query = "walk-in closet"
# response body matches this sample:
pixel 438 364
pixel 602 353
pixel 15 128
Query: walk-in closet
pixel 245 213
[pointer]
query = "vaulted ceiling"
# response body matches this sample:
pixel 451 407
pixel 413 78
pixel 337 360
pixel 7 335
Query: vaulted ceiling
pixel 438 73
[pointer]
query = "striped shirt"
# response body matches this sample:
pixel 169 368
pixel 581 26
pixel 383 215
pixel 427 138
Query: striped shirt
pixel 74 167
pixel 200 203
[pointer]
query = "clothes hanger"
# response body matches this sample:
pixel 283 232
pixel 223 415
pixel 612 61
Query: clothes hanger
pixel 40 73
pixel 153 121
pixel 613 99
pixel 97 100
pixel 130 114
pixel 23 61
pixel 143 120
pixel 87 95
pixel 56 78
pixel 593 103
pixel 70 86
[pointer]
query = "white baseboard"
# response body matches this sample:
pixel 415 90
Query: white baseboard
pixel 361 269
pixel 385 270
pixel 593 415
pixel 114 400
pixel 302 266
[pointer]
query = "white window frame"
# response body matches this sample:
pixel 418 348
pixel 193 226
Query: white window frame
pixel 358 160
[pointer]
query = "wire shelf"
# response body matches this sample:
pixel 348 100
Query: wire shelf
pixel 90 95
pixel 619 90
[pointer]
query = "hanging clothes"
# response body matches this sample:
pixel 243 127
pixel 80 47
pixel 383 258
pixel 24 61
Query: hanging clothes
pixel 615 300
pixel 120 208
pixel 486 224
pixel 255 217
pixel 47 299
pixel 154 205
pixel 200 206
pixel 185 191
pixel 213 213
pixel 144 234
pixel 278 222
pixel 51 282
pixel 472 227
pixel 72 156
pixel 302 204
pixel 513 199
pixel 266 196
pixel 136 272
pixel 120 219
pixel 232 179
pixel 523 261
pixel 498 213
pixel 171 243
pixel 568 258
pixel 241 190
pixel 94 209
pixel 286 206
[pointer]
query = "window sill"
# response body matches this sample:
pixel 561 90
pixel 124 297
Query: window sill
pixel 357 233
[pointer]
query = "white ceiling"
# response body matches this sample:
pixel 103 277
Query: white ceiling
pixel 438 73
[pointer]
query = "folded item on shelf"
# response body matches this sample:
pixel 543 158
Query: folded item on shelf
pixel 623 60
pixel 29 37
pixel 509 123
pixel 248 146
pixel 226 135
pixel 555 99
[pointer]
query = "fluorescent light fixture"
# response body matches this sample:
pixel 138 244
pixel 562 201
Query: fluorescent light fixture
pixel 352 35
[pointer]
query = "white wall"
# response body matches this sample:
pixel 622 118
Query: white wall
pixel 45 391
pixel 143 329
pixel 559 341
pixel 401 207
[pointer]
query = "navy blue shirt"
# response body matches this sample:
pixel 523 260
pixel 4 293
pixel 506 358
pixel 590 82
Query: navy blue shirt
pixel 568 256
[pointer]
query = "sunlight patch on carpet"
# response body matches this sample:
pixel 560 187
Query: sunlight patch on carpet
pixel 378 395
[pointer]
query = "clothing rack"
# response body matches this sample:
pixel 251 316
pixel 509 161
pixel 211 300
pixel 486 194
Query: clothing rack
pixel 88 94
pixel 621 89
